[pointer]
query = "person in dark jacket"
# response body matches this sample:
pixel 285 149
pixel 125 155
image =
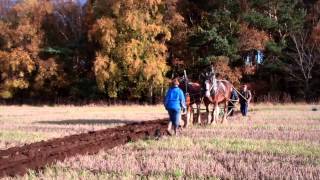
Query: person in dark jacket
pixel 233 100
pixel 245 100
pixel 174 102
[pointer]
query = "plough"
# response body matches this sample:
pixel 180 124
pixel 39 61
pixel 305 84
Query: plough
pixel 233 102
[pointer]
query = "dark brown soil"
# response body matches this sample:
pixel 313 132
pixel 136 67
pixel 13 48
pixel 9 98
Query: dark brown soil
pixel 17 160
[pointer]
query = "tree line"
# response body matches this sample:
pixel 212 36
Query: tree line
pixel 129 49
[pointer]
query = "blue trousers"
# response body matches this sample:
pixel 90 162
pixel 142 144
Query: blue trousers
pixel 244 109
pixel 174 115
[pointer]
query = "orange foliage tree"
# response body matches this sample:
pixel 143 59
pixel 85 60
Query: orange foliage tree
pixel 221 65
pixel 20 44
pixel 252 39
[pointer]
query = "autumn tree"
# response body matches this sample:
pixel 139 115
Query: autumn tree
pixel 21 41
pixel 221 65
pixel 126 49
pixel 132 58
pixel 46 37
pixel 250 38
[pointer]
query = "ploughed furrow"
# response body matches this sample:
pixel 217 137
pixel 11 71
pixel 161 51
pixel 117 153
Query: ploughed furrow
pixel 17 160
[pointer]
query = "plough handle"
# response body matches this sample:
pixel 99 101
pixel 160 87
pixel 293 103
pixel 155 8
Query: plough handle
pixel 240 94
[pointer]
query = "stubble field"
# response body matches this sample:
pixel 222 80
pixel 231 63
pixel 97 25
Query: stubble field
pixel 275 141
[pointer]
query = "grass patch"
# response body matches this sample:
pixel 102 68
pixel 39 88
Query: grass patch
pixel 233 145
pixel 286 107
pixel 266 146
pixel 282 127
pixel 20 136
pixel 56 172
pixel 168 143
pixel 264 118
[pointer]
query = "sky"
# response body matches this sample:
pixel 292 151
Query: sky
pixel 82 1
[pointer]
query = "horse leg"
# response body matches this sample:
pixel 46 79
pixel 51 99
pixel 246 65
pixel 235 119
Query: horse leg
pixel 188 114
pixel 169 127
pixel 225 112
pixel 198 114
pixel 208 114
pixel 215 113
pixel 191 116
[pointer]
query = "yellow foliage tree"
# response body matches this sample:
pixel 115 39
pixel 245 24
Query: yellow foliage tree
pixel 133 55
pixel 49 75
pixel 15 68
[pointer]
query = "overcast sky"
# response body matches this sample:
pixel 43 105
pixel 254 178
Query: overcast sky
pixel 83 1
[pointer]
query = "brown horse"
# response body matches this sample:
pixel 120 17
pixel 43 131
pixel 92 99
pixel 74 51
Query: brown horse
pixel 193 96
pixel 217 92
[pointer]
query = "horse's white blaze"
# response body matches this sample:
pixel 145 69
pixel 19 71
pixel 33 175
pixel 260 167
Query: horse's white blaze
pixel 214 84
pixel 207 84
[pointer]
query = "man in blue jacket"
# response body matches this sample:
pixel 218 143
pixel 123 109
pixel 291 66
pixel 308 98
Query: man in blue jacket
pixel 174 102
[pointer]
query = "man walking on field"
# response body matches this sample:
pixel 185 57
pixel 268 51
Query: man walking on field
pixel 174 102
pixel 245 100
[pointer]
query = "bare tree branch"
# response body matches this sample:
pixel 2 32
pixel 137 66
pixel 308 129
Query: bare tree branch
pixel 303 57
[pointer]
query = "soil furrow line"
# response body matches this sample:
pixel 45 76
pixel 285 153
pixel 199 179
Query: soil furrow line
pixel 35 156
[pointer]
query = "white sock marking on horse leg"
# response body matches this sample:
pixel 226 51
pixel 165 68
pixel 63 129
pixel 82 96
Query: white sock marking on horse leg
pixel 216 113
pixel 191 117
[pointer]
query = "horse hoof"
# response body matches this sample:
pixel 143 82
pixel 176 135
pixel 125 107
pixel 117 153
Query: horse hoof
pixel 169 132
